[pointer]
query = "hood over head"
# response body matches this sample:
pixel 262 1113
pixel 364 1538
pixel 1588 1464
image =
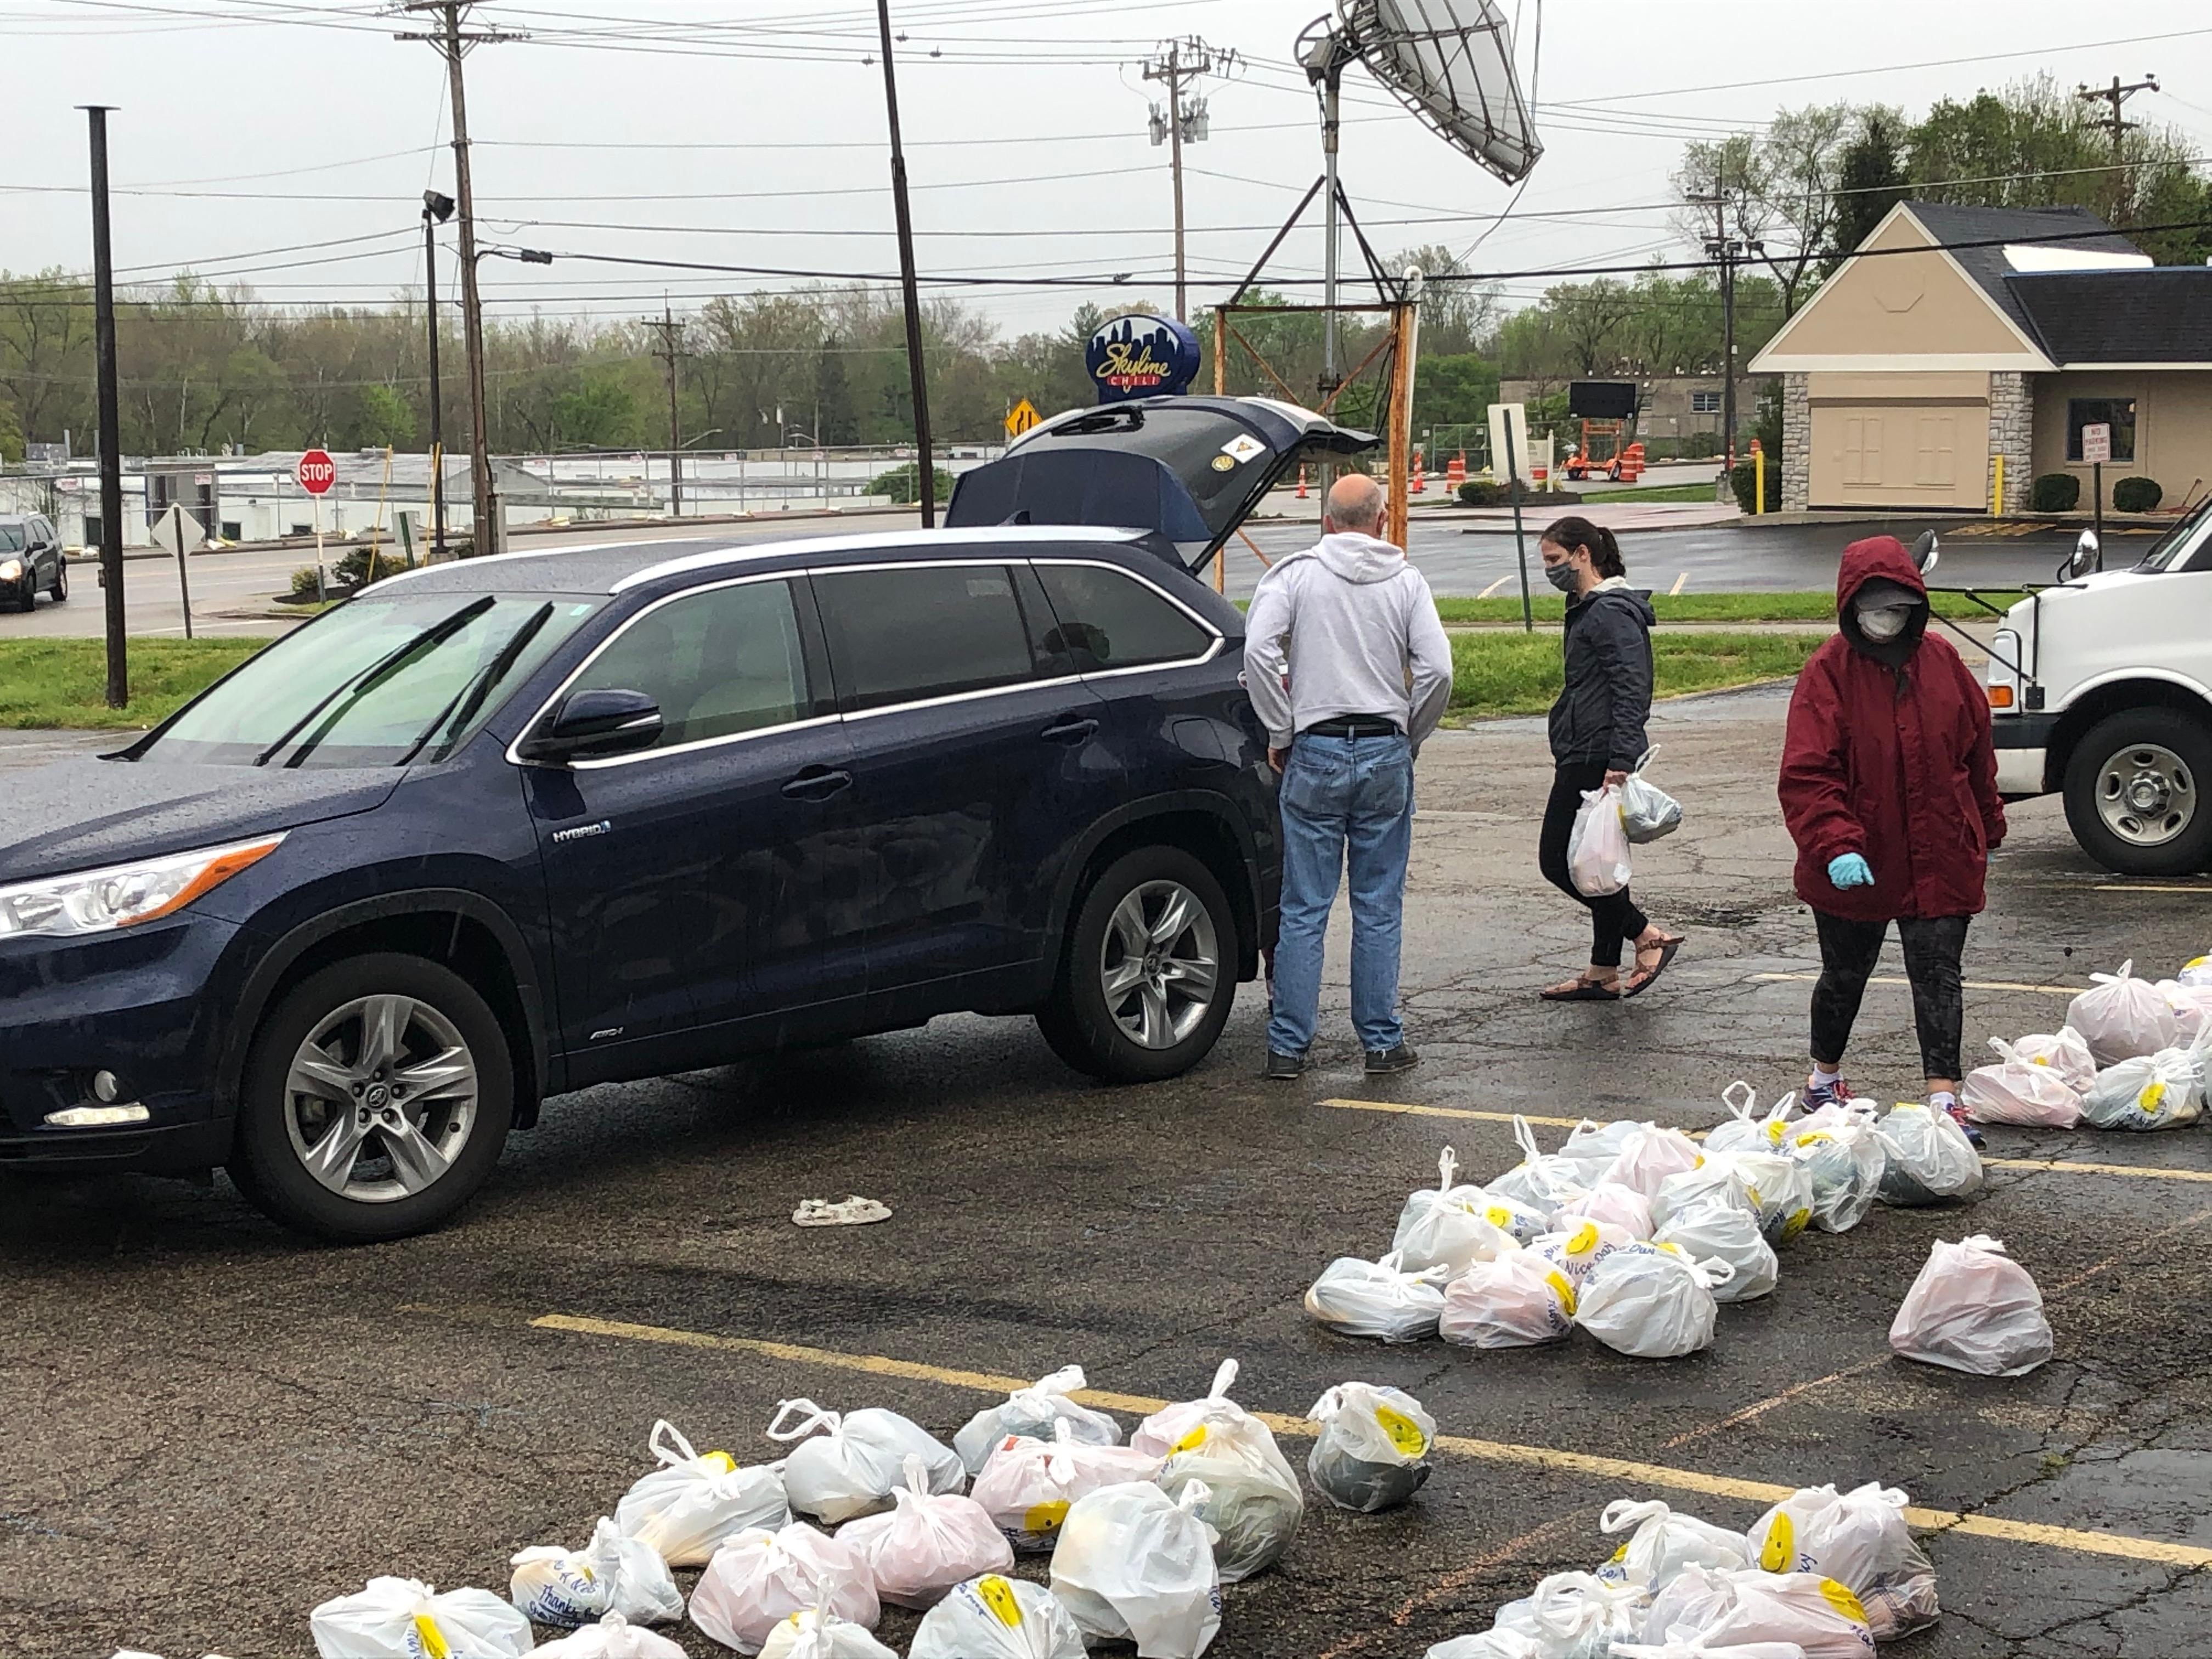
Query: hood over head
pixel 1884 559
pixel 1617 589
pixel 1360 557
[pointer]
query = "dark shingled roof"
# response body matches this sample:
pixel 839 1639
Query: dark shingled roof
pixel 2161 315
pixel 1948 224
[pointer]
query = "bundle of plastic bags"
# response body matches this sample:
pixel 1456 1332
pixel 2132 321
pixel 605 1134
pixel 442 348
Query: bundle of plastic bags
pixel 1356 1297
pixel 1842 1159
pixel 1372 1452
pixel 1523 1222
pixel 1651 1301
pixel 1514 1302
pixel 758 1579
pixel 1027 1486
pixel 995 1618
pixel 1133 1565
pixel 613 1573
pixel 859 1462
pixel 2017 1091
pixel 1647 811
pixel 405 1619
pixel 1926 1158
pixel 1030 1413
pixel 1699 1649
pixel 1860 1540
pixel 1597 847
pixel 613 1637
pixel 1542 1180
pixel 2164 1091
pixel 1649 1156
pixel 2196 972
pixel 929 1543
pixel 2193 1009
pixel 2121 1017
pixel 685 1508
pixel 1715 1181
pixel 1592 1146
pixel 1254 1502
pixel 1820 1615
pixel 2063 1052
pixel 1581 1248
pixel 1611 1204
pixel 1664 1543
pixel 1973 1309
pixel 1576 1615
pixel 1724 1232
pixel 1445 1225
pixel 818 1633
pixel 1745 1128
pixel 1779 1187
pixel 1489 1644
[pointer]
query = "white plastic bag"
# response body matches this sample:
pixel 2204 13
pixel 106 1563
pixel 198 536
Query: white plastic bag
pixel 1973 1309
pixel 1254 1502
pixel 2196 972
pixel 928 1544
pixel 1580 1247
pixel 1664 1542
pixel 612 1638
pixel 1576 1615
pixel 1715 1181
pixel 1843 1160
pixel 1445 1225
pixel 2164 1091
pixel 406 1619
pixel 1820 1615
pixel 693 1501
pixel 1610 1203
pixel 1542 1180
pixel 2014 1091
pixel 1650 1155
pixel 1514 1302
pixel 1647 811
pixel 1356 1297
pixel 2121 1017
pixel 1030 1413
pixel 1651 1301
pixel 1725 1232
pixel 996 1618
pixel 859 1462
pixel 2063 1052
pixel 817 1633
pixel 1687 1603
pixel 1597 850
pixel 1027 1486
pixel 1489 1644
pixel 1135 1564
pixel 1592 1146
pixel 2193 1009
pixel 1745 1128
pixel 1779 1187
pixel 613 1573
pixel 1372 1452
pixel 1697 1648
pixel 1926 1157
pixel 1860 1540
pixel 758 1579
pixel 1523 1223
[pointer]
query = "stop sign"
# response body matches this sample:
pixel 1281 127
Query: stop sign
pixel 317 472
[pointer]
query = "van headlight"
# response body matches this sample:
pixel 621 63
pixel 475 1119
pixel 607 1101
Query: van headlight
pixel 2004 672
pixel 99 900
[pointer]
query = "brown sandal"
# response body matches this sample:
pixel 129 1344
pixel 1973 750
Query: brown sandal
pixel 1583 989
pixel 1644 982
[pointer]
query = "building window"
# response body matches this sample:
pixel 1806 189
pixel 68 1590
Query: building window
pixel 2118 413
pixel 1704 403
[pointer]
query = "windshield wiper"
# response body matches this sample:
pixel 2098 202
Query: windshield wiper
pixel 458 712
pixel 375 675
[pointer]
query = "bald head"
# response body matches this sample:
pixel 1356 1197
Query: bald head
pixel 1355 503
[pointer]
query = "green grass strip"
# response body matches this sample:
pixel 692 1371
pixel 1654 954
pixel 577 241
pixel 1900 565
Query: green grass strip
pixel 1510 674
pixel 64 682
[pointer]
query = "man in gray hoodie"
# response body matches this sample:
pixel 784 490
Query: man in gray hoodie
pixel 1349 669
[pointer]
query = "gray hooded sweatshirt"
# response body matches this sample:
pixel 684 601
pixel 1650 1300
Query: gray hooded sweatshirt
pixel 1348 627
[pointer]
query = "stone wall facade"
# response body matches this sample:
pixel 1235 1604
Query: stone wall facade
pixel 2012 435
pixel 1797 443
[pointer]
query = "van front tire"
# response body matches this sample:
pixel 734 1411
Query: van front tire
pixel 2135 792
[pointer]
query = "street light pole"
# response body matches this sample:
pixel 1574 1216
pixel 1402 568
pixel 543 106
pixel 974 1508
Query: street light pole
pixel 111 416
pixel 917 370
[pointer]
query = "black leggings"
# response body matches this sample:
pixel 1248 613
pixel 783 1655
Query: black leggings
pixel 1848 950
pixel 1612 918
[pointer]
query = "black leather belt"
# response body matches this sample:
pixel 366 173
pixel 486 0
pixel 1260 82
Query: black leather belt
pixel 1353 726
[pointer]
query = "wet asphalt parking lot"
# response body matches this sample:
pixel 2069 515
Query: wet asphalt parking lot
pixel 212 1427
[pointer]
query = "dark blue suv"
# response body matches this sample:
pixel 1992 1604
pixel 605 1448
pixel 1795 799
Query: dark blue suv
pixel 503 829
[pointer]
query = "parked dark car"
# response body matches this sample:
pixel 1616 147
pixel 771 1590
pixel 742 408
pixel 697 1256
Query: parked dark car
pixel 503 829
pixel 31 561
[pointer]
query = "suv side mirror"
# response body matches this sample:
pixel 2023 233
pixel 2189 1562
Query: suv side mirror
pixel 2088 555
pixel 591 724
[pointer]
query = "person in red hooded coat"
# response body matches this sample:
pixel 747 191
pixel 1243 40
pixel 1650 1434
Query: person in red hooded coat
pixel 1889 788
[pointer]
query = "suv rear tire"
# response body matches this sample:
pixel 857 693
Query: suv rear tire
pixel 2135 792
pixel 1148 971
pixel 60 589
pixel 391 1076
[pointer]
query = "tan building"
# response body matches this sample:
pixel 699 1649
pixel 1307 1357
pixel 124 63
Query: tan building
pixel 1959 334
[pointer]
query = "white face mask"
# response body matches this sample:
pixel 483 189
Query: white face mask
pixel 1883 623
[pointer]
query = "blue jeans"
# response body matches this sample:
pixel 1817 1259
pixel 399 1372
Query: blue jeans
pixel 1342 795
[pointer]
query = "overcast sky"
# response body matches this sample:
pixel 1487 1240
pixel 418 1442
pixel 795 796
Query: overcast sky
pixel 752 134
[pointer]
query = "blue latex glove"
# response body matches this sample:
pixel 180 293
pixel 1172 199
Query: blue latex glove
pixel 1849 870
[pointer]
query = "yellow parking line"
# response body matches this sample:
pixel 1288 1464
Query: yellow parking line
pixel 1660 1475
pixel 1495 586
pixel 1450 1111
pixel 2133 887
pixel 1679 582
pixel 1971 984
pixel 2064 1166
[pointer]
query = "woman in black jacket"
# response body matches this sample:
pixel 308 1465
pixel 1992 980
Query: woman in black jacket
pixel 1597 738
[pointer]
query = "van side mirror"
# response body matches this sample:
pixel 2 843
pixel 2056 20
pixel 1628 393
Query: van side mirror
pixel 1925 552
pixel 2088 555
pixel 589 725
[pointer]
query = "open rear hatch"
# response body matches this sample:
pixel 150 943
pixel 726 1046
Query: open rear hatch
pixel 1189 470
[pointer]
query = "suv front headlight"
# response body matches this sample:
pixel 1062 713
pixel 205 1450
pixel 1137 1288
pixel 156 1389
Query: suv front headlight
pixel 11 570
pixel 124 895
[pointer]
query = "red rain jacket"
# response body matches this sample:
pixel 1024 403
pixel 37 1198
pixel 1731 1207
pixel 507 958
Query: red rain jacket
pixel 1893 763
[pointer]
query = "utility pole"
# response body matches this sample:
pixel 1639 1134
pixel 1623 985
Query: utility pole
pixel 1728 251
pixel 1173 65
pixel 111 415
pixel 436 209
pixel 453 44
pixel 669 350
pixel 917 370
pixel 2116 96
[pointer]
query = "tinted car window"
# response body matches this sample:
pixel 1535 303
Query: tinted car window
pixel 1109 620
pixel 921 631
pixel 728 659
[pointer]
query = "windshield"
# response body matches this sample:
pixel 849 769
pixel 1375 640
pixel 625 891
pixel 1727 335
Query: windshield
pixel 2175 549
pixel 11 538
pixel 376 682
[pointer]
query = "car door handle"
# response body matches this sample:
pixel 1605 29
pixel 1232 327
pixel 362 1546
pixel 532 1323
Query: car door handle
pixel 1076 728
pixel 817 783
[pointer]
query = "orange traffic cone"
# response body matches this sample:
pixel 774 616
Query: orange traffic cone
pixel 1420 479
pixel 1302 482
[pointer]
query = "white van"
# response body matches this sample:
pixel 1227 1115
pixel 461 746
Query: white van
pixel 2100 688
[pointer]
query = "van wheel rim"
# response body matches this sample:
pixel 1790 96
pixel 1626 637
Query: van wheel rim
pixel 1159 964
pixel 381 1098
pixel 2145 794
